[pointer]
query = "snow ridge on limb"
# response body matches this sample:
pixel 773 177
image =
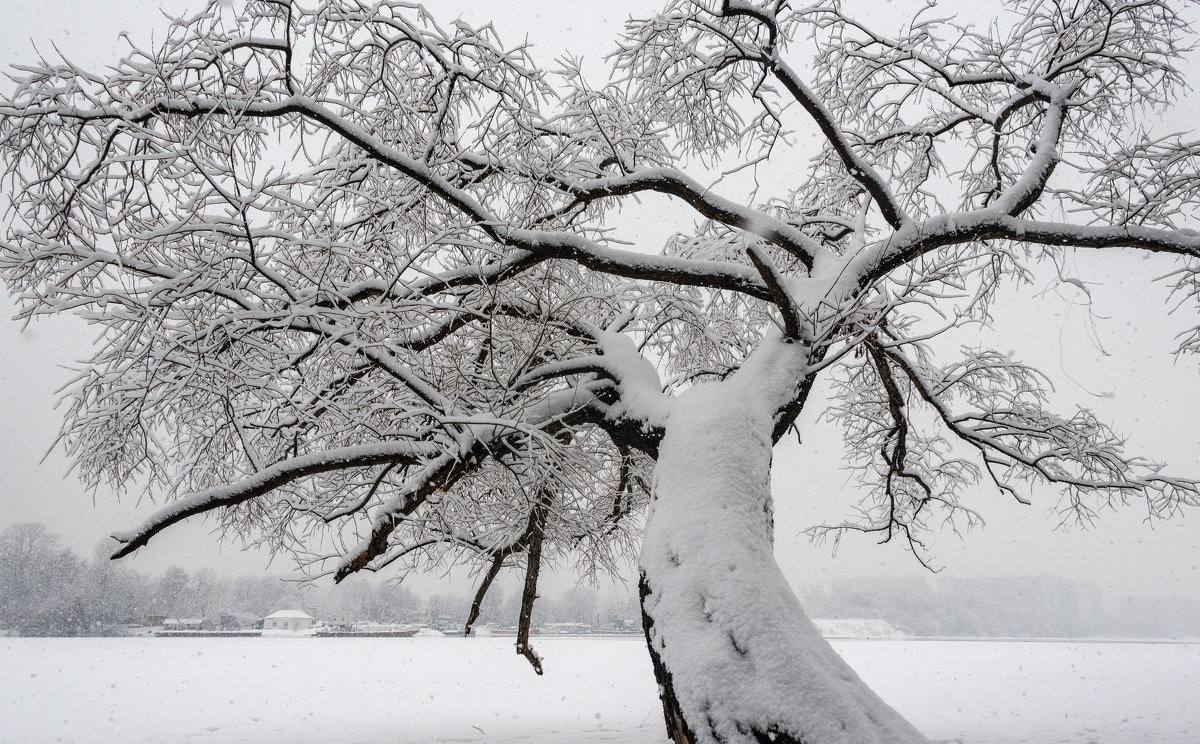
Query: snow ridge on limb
pixel 984 225
pixel 710 205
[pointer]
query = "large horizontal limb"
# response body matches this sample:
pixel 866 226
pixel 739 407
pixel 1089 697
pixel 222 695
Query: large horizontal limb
pixel 544 243
pixel 706 202
pixel 270 478
pixel 441 471
pixel 439 475
pixel 992 224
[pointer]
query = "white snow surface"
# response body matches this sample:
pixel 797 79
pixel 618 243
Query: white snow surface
pixel 857 628
pixel 595 691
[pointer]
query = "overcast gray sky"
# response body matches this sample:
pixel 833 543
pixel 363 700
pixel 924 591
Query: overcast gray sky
pixel 1133 380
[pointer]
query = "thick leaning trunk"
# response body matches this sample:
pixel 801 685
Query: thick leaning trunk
pixel 737 659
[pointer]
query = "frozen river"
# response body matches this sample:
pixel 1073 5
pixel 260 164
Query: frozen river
pixel 443 690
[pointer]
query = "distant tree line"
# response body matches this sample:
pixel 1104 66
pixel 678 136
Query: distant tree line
pixel 1010 606
pixel 46 589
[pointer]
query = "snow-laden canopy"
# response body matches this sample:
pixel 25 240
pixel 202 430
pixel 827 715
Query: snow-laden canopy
pixel 361 294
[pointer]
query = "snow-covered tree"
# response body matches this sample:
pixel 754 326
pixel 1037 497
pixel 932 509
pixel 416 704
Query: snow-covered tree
pixel 362 293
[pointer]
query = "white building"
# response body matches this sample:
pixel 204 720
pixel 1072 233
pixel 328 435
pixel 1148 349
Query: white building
pixel 288 620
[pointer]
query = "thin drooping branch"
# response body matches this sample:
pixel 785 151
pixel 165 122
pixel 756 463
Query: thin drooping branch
pixel 533 565
pixel 896 459
pixel 481 593
pixel 534 530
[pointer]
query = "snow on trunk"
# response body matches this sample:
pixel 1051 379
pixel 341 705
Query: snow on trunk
pixel 737 659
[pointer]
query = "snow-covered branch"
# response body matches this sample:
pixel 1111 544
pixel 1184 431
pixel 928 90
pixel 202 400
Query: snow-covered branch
pixel 270 478
pixel 907 422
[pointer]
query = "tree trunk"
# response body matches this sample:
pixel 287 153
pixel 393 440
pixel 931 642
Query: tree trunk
pixel 736 658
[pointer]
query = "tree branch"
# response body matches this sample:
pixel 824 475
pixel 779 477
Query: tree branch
pixel 533 565
pixel 270 478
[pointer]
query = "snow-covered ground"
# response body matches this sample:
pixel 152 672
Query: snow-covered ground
pixel 453 690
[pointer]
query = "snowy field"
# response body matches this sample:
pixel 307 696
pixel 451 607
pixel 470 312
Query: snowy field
pixel 453 690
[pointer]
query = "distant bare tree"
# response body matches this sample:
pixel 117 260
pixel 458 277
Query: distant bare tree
pixel 22 547
pixel 40 583
pixel 360 296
